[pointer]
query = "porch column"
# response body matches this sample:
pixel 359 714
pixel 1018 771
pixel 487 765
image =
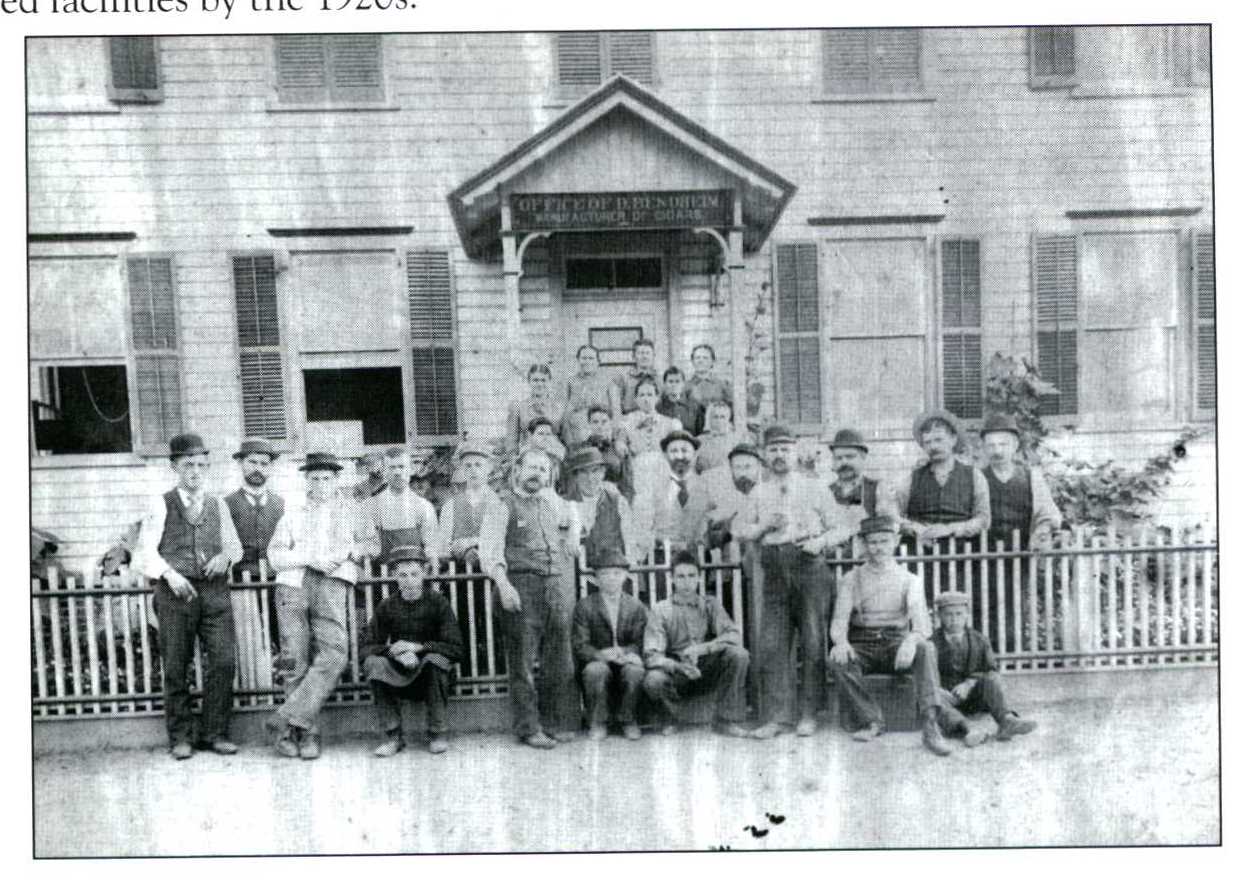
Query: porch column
pixel 512 270
pixel 738 331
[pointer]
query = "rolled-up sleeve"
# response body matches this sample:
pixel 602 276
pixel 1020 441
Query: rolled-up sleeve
pixel 282 554
pixel 843 605
pixel 492 539
pixel 149 536
pixel 917 609
pixel 1046 518
pixel 230 545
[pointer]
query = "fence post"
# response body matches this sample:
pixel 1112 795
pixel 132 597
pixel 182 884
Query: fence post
pixel 1084 589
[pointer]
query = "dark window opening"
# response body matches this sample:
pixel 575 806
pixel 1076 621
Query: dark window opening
pixel 372 396
pixel 620 273
pixel 82 409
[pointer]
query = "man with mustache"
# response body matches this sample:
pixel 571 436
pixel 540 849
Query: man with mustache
pixel 674 505
pixel 528 542
pixel 852 488
pixel 794 521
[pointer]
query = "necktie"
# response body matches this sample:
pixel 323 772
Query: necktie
pixel 683 495
pixel 194 509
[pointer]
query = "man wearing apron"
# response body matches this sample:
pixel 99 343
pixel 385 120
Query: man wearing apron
pixel 401 516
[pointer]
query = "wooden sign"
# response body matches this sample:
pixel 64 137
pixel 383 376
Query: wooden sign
pixel 614 210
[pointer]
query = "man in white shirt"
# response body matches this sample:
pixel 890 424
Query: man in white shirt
pixel 463 515
pixel 187 543
pixel 604 513
pixel 674 506
pixel 401 516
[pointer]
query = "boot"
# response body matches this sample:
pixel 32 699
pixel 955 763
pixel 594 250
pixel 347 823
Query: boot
pixel 1013 726
pixel 287 744
pixel 933 739
pixel 309 746
pixel 392 745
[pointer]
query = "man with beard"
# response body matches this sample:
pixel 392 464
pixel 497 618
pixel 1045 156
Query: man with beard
pixel 528 542
pixel 865 496
pixel 673 505
pixel 604 513
pixel 729 495
pixel 793 521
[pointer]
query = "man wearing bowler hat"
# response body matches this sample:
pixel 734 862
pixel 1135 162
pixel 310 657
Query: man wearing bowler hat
pixel 793 521
pixel 1019 498
pixel 672 505
pixel 604 513
pixel 852 488
pixel 413 641
pixel 316 550
pixel 187 543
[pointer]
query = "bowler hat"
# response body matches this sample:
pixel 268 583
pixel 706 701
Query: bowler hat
pixel 846 438
pixel 678 435
pixel 188 444
pixel 744 448
pixel 878 523
pixel 472 448
pixel 583 458
pixel 952 599
pixel 776 434
pixel 1000 422
pixel 610 559
pixel 406 553
pixel 923 420
pixel 256 446
pixel 320 462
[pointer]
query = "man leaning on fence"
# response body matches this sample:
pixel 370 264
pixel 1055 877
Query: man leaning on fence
pixel 187 543
pixel 316 551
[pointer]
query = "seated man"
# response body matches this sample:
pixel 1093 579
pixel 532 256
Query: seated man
pixel 413 641
pixel 608 635
pixel 969 677
pixel 691 646
pixel 881 626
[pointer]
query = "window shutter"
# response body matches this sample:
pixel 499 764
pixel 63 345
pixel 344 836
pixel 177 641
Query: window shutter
pixel 301 68
pixel 880 60
pixel 799 334
pixel 846 60
pixel 1056 283
pixel 260 364
pixel 429 288
pixel 961 321
pixel 630 53
pixel 152 312
pixel 134 69
pixel 896 59
pixel 335 68
pixel 157 358
pixel 1052 56
pixel 1204 302
pixel 579 59
pixel 356 66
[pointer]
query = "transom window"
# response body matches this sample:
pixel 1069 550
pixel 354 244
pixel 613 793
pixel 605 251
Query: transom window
pixel 615 272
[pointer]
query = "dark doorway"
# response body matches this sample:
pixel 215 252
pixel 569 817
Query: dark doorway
pixel 372 396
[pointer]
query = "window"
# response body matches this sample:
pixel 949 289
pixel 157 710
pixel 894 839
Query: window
pixel 366 401
pixel 110 383
pixel 623 272
pixel 134 69
pixel 429 288
pixel 1205 376
pixel 587 58
pixel 329 69
pixel 798 338
pixel 962 391
pixel 1106 311
pixel 260 366
pixel 1119 58
pixel 867 61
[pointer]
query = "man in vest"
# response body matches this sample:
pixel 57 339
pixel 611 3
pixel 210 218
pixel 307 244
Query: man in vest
pixel 316 550
pixel 1019 498
pixel 400 515
pixel 604 514
pixel 853 489
pixel 674 505
pixel 528 543
pixel 793 521
pixel 462 516
pixel 881 626
pixel 187 543
pixel 608 639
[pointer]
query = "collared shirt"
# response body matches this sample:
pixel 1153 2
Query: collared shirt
pixel 333 530
pixel 658 514
pixel 256 501
pixel 644 432
pixel 496 522
pixel 152 531
pixel 889 596
pixel 685 619
pixel 809 508
pixel 1046 516
pixel 973 526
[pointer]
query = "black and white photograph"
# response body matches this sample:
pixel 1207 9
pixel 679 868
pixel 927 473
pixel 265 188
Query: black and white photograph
pixel 565 440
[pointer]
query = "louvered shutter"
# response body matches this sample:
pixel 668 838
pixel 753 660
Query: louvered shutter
pixel 134 69
pixel 429 288
pixel 580 61
pixel 1206 374
pixel 1051 56
pixel 1056 283
pixel 335 68
pixel 799 334
pixel 630 53
pixel 157 358
pixel 961 334
pixel 260 364
pixel 882 60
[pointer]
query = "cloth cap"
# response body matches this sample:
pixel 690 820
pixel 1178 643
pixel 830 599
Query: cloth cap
pixel 1000 422
pixel 678 435
pixel 406 553
pixel 776 434
pixel 256 445
pixel 878 523
pixel 848 437
pixel 952 599
pixel 320 462
pixel 745 449
pixel 188 444
pixel 922 421
pixel 472 448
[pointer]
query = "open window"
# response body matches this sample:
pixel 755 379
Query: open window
pixel 81 409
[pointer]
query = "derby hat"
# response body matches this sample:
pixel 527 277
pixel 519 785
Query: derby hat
pixel 188 444
pixel 256 446
pixel 848 438
pixel 952 599
pixel 610 559
pixel 1000 422
pixel 320 462
pixel 745 448
pixel 878 523
pixel 923 420
pixel 583 458
pixel 678 435
pixel 406 553
pixel 776 434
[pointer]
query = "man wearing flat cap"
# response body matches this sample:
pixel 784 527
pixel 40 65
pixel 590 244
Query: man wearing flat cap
pixel 672 504
pixel 316 550
pixel 463 515
pixel 413 641
pixel 793 521
pixel 968 677
pixel 187 543
pixel 608 639
pixel 881 626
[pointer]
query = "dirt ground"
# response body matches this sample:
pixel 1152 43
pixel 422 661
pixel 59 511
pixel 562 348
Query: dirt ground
pixel 1097 772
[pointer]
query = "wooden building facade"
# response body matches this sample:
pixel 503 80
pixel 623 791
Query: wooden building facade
pixel 353 240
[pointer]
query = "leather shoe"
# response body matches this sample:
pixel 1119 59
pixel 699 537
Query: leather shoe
pixel 437 745
pixel 1013 726
pixel 767 731
pixel 805 727
pixel 975 736
pixel 389 747
pixel 287 745
pixel 597 733
pixel 181 750
pixel 539 740
pixel 565 736
pixel 868 733
pixel 734 730
pixel 932 737
pixel 309 747
pixel 223 747
pixel 631 731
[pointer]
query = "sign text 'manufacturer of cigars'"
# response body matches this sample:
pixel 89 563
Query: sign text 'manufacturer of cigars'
pixel 621 209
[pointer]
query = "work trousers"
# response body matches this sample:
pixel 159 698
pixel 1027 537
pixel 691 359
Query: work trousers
pixel 722 673
pixel 601 679
pixel 431 685
pixel 986 696
pixel 540 633
pixel 209 617
pixel 798 592
pixel 875 651
pixel 314 644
